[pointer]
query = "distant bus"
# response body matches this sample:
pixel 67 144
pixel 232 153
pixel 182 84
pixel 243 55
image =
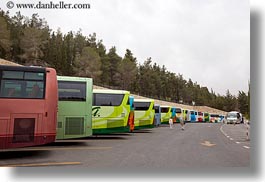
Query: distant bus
pixel 206 117
pixel 186 115
pixel 173 114
pixel 131 115
pixel 165 114
pixel 196 116
pixel 233 117
pixel 75 107
pixel 179 115
pixel 144 113
pixel 157 115
pixel 110 111
pixel 192 116
pixel 221 117
pixel 28 106
pixel 200 117
pixel 214 118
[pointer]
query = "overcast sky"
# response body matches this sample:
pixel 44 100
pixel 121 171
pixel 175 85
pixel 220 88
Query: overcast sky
pixel 205 40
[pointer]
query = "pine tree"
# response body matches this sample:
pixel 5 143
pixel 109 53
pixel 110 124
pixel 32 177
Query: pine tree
pixel 114 62
pixel 5 42
pixel 88 64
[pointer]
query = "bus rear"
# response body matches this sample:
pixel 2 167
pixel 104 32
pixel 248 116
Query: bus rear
pixel 173 114
pixel 144 113
pixel 179 115
pixel 192 116
pixel 206 117
pixel 214 118
pixel 186 115
pixel 110 111
pixel 75 107
pixel 200 117
pixel 165 114
pixel 28 106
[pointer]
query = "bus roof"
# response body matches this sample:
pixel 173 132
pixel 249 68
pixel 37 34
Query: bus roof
pixel 233 112
pixel 109 91
pixel 71 78
pixel 22 68
pixel 166 106
pixel 144 100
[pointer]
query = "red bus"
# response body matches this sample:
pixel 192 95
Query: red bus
pixel 28 106
pixel 200 117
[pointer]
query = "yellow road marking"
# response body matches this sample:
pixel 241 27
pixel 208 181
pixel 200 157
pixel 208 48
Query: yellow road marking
pixel 208 144
pixel 61 148
pixel 42 164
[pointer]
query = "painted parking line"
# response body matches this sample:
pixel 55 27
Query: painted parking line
pixel 61 148
pixel 42 164
pixel 221 129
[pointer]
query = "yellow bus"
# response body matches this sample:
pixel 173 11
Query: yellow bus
pixel 110 111
pixel 144 113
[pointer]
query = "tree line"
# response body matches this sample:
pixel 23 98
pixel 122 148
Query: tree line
pixel 30 41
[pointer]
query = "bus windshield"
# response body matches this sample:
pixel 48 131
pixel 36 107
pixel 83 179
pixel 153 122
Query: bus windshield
pixel 104 99
pixel 22 84
pixel 178 110
pixel 164 109
pixel 72 91
pixel 232 115
pixel 142 106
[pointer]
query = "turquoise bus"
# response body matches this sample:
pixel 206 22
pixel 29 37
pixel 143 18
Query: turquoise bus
pixel 165 114
pixel 74 107
pixel 173 114
pixel 110 111
pixel 192 116
pixel 144 113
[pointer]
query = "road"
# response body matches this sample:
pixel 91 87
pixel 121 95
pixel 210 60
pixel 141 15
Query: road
pixel 199 145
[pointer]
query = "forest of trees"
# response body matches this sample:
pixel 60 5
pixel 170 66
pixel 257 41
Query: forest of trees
pixel 30 41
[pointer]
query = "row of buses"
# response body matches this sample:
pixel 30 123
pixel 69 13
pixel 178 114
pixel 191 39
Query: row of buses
pixel 187 115
pixel 37 107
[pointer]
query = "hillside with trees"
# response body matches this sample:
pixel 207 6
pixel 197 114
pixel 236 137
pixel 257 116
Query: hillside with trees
pixel 30 41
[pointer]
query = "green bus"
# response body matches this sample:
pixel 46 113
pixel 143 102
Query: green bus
pixel 110 111
pixel 206 117
pixel 74 117
pixel 144 113
pixel 166 113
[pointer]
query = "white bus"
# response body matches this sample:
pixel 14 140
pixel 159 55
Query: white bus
pixel 233 117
